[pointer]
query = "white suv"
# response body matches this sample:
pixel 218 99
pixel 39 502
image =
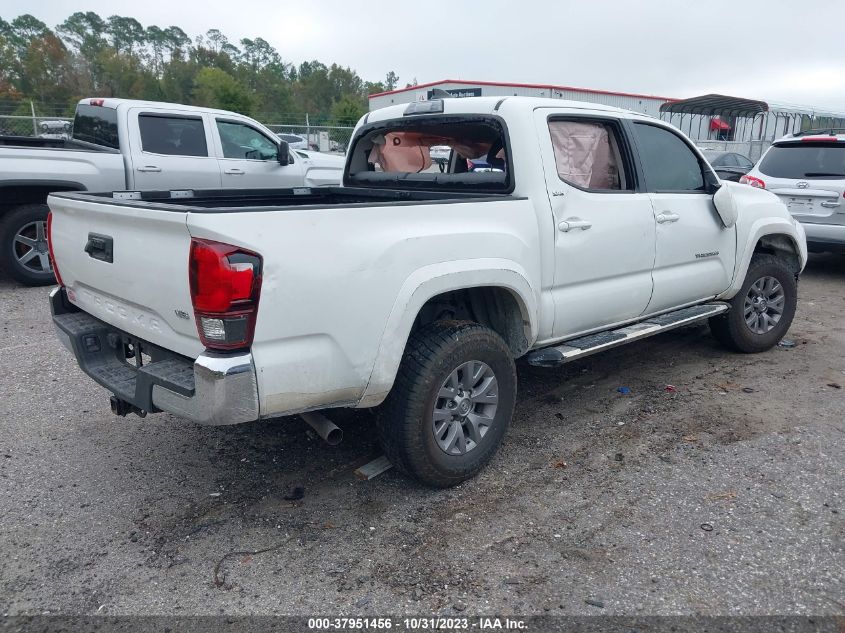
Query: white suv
pixel 807 172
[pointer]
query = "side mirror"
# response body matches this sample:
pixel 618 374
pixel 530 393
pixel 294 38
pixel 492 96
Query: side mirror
pixel 283 156
pixel 725 204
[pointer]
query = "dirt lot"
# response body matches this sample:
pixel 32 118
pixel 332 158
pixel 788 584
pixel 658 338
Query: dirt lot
pixel 722 496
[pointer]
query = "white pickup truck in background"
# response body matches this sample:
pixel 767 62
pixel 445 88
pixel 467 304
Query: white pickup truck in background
pixel 415 290
pixel 126 144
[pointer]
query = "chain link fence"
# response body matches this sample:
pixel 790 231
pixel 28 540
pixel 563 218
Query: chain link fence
pixel 46 127
pixel 320 138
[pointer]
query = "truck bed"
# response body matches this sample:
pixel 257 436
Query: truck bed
pixel 36 142
pixel 244 200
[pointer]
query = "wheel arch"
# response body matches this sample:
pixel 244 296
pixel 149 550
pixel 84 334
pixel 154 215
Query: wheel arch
pixel 497 293
pixel 14 193
pixel 781 239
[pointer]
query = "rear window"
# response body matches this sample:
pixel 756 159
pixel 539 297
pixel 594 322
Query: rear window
pixel 398 154
pixel 805 160
pixel 96 124
pixel 172 135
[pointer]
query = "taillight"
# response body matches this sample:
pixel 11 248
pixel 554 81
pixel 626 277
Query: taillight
pixel 751 180
pixel 225 287
pixel 50 247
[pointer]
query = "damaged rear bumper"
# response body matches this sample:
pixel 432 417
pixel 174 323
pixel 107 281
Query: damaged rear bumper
pixel 214 389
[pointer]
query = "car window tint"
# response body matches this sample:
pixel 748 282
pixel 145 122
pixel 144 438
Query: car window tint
pixel 177 136
pixel 668 162
pixel 96 124
pixel 805 160
pixel 245 142
pixel 587 154
pixel 743 162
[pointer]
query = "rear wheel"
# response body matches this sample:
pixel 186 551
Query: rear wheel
pixel 763 309
pixel 23 245
pixel 451 404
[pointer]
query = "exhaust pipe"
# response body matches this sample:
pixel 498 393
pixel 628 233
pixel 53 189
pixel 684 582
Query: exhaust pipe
pixel 324 427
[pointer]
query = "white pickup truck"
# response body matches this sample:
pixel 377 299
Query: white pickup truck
pixel 125 144
pixel 415 290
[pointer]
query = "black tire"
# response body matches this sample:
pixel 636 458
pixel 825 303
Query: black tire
pixel 11 223
pixel 405 420
pixel 731 329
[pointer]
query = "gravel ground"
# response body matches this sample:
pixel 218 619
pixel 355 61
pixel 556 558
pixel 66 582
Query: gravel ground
pixel 723 496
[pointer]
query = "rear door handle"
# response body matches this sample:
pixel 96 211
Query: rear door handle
pixel 667 216
pixel 574 223
pixel 234 172
pixel 150 168
pixel 830 204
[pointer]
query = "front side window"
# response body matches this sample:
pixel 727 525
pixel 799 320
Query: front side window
pixel 172 135
pixel 587 154
pixel 244 142
pixel 668 162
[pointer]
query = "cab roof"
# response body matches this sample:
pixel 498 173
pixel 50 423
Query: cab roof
pixel 491 105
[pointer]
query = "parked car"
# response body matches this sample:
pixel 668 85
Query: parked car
pixel 54 129
pixel 416 290
pixel 137 145
pixel 294 141
pixel 728 165
pixel 440 155
pixel 807 172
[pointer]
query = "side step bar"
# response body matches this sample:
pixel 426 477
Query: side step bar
pixel 593 343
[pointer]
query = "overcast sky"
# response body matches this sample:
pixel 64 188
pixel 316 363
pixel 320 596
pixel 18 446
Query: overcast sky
pixel 774 50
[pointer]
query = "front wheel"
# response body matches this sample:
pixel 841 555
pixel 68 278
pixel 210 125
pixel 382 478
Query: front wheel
pixel 763 309
pixel 451 404
pixel 23 245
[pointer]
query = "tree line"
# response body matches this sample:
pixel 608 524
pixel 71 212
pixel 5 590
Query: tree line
pixel 87 55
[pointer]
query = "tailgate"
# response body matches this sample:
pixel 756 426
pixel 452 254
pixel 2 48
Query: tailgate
pixel 815 206
pixel 144 289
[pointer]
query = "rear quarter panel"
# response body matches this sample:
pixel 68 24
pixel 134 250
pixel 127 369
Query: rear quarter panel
pixel 94 171
pixel 333 277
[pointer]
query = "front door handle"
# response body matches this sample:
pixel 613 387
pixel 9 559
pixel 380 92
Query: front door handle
pixel 574 223
pixel 150 168
pixel 830 204
pixel 234 172
pixel 667 216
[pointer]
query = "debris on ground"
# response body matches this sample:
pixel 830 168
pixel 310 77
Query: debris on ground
pixel 296 493
pixel 623 390
pixel 594 603
pixel 787 343
pixel 706 527
pixel 721 496
pixel 835 385
pixel 690 438
pixel 748 389
pixel 670 388
pixel 373 468
pixel 559 464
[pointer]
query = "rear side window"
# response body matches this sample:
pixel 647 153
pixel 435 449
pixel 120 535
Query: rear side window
pixel 587 155
pixel 96 124
pixel 805 160
pixel 743 162
pixel 172 135
pixel 668 162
